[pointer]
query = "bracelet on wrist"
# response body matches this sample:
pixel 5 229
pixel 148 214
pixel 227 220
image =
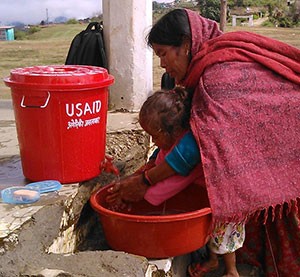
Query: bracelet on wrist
pixel 146 179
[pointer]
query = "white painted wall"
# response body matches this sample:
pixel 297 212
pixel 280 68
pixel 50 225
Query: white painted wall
pixel 126 24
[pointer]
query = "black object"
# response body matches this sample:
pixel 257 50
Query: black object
pixel 87 47
pixel 167 82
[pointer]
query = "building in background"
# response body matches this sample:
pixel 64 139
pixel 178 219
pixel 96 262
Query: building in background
pixel 7 33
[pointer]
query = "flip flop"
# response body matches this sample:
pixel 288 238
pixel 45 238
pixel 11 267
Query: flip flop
pixel 198 270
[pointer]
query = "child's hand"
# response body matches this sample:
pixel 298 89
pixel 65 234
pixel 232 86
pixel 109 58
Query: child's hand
pixel 129 189
pixel 121 207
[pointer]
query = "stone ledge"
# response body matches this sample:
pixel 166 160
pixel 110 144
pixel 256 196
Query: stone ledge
pixel 60 235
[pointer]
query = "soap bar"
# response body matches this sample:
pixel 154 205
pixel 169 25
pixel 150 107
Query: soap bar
pixel 19 195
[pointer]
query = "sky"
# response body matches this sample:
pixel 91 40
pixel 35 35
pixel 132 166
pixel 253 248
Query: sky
pixel 34 11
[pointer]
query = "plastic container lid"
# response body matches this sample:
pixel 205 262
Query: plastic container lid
pixel 19 195
pixel 45 186
pixel 60 77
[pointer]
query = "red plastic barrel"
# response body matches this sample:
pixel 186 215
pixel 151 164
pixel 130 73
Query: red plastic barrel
pixel 61 115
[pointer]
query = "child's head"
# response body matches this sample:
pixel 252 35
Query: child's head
pixel 165 115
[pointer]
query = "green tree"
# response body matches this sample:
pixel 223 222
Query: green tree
pixel 281 14
pixel 72 21
pixel 210 9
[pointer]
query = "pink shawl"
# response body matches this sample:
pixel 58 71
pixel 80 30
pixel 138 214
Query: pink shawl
pixel 246 119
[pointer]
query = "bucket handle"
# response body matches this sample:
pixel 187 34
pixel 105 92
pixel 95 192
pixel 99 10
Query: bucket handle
pixel 32 106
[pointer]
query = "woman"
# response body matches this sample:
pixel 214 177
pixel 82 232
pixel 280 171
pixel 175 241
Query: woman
pixel 245 118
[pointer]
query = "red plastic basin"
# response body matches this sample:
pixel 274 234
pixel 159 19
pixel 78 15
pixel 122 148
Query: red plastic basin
pixel 146 232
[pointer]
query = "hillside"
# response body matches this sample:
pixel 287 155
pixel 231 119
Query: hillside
pixel 51 45
pixel 48 46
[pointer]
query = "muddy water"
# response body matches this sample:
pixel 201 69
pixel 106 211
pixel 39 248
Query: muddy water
pixel 11 172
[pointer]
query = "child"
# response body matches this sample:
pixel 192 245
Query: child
pixel 165 116
pixel 225 240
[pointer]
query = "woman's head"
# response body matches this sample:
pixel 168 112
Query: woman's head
pixel 170 39
pixel 171 29
pixel 165 115
pixel 177 37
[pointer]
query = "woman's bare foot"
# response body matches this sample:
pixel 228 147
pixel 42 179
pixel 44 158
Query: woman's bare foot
pixel 232 274
pixel 230 265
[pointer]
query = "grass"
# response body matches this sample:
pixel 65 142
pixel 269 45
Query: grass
pixel 287 35
pixel 51 45
pixel 48 46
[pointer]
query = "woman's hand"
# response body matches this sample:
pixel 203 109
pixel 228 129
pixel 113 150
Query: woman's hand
pixel 129 189
pixel 116 203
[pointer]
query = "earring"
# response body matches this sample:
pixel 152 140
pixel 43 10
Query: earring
pixel 187 52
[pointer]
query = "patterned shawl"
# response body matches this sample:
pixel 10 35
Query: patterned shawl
pixel 246 119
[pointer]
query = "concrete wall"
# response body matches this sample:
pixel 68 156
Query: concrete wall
pixel 126 24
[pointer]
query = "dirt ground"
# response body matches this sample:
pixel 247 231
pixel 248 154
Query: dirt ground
pixel 26 250
pixel 29 258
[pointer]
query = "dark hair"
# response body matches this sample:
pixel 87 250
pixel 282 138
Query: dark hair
pixel 167 110
pixel 171 29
